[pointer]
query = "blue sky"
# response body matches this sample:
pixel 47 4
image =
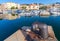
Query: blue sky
pixel 30 1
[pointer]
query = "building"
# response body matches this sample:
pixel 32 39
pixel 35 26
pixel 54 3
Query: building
pixel 34 6
pixel 30 6
pixel 2 7
pixel 57 5
pixel 9 5
pixel 27 7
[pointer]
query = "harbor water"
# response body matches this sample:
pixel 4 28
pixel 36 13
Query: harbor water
pixel 8 27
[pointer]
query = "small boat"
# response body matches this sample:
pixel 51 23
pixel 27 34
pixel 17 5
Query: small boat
pixel 55 11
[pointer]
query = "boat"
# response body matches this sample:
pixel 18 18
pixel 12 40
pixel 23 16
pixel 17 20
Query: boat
pixel 26 14
pixel 44 13
pixel 55 11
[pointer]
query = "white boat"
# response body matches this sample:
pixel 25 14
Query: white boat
pixel 27 14
pixel 36 12
pixel 55 11
pixel 44 13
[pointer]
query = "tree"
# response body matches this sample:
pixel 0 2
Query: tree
pixel 43 7
pixel 53 4
pixel 16 7
pixel 23 7
pixel 12 7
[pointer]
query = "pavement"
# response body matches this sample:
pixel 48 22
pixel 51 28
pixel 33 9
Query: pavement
pixel 21 35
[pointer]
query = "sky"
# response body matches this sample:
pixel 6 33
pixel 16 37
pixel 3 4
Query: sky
pixel 30 1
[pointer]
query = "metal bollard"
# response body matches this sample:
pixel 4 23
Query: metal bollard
pixel 44 31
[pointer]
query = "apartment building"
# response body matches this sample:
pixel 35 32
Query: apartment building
pixel 10 4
